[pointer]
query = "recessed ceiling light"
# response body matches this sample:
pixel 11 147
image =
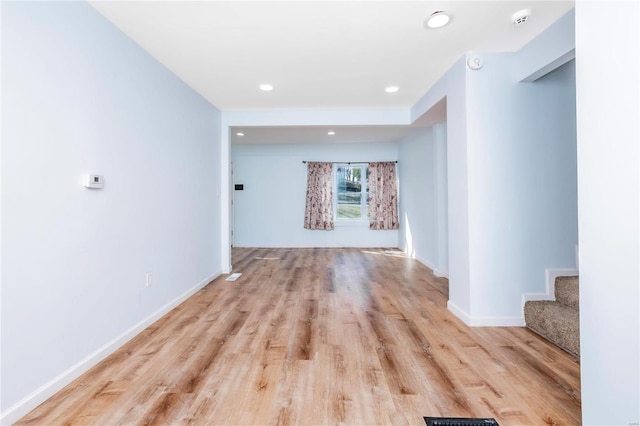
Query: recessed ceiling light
pixel 520 17
pixel 239 134
pixel 266 87
pixel 391 89
pixel 331 133
pixel 438 19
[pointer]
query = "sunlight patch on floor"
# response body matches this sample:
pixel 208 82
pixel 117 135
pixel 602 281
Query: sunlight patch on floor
pixel 390 253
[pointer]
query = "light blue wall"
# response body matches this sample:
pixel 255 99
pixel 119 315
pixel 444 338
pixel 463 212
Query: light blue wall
pixel 452 86
pixel 442 200
pixel 80 97
pixel 418 201
pixel 362 117
pixel 522 182
pixel 511 176
pixel 269 212
pixel 549 50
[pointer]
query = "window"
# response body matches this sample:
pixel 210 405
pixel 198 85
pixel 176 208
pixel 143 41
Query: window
pixel 352 194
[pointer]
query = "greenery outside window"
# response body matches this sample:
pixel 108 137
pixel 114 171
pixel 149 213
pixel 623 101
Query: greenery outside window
pixel 352 194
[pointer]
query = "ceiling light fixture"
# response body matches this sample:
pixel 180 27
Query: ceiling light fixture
pixel 239 134
pixel 331 133
pixel 520 17
pixel 391 89
pixel 438 19
pixel 266 87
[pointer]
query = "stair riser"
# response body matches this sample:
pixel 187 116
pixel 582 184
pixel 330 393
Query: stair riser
pixel 567 292
pixel 556 322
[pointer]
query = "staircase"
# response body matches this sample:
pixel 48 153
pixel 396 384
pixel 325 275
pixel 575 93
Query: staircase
pixel 557 320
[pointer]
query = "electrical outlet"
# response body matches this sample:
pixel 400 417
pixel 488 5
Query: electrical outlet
pixel 149 279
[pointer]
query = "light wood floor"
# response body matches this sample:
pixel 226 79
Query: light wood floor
pixel 322 336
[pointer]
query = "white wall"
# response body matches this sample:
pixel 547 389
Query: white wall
pixel 77 97
pixel 269 212
pixel 608 162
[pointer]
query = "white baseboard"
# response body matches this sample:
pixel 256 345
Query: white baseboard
pixel 550 278
pixel 327 245
pixel 462 315
pixel 440 274
pixel 425 263
pixel 550 285
pixel 436 271
pixel 528 297
pixel 484 321
pixel 44 392
pixel 498 321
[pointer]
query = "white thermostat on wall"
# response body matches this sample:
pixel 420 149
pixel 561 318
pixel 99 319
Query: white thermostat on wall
pixel 94 181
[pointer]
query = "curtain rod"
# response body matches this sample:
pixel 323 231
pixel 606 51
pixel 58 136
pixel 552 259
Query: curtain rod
pixel 351 162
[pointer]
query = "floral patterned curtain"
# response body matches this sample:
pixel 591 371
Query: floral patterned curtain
pixel 318 212
pixel 383 196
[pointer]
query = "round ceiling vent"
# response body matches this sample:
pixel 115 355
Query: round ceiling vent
pixel 520 17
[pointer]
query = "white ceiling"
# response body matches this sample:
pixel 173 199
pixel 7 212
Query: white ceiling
pixel 318 134
pixel 342 134
pixel 319 54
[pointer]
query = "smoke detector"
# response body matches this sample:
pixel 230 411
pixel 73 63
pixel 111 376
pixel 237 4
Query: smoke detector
pixel 520 17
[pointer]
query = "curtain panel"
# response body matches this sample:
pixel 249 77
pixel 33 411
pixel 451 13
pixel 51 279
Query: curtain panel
pixel 318 212
pixel 383 196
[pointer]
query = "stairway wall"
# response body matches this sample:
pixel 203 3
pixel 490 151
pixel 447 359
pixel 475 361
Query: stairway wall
pixel 522 183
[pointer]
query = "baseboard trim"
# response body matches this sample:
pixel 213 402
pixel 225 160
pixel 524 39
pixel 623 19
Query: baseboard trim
pixel 532 297
pixel 425 263
pixel 550 279
pixel 436 272
pixel 44 392
pixel 472 321
pixel 462 315
pixel 550 285
pixel 440 274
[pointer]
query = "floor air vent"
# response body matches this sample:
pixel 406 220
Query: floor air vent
pixel 450 421
pixel 233 277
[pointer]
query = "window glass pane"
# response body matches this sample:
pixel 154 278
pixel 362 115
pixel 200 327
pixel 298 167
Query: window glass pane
pixel 349 179
pixel 349 211
pixel 349 192
pixel 342 179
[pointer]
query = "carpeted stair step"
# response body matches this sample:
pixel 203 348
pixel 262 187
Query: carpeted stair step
pixel 566 291
pixel 555 321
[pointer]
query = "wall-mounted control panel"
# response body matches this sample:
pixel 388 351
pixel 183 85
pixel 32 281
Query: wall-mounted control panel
pixel 94 181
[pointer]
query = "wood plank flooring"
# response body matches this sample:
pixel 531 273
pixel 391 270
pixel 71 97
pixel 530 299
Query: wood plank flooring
pixel 321 337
